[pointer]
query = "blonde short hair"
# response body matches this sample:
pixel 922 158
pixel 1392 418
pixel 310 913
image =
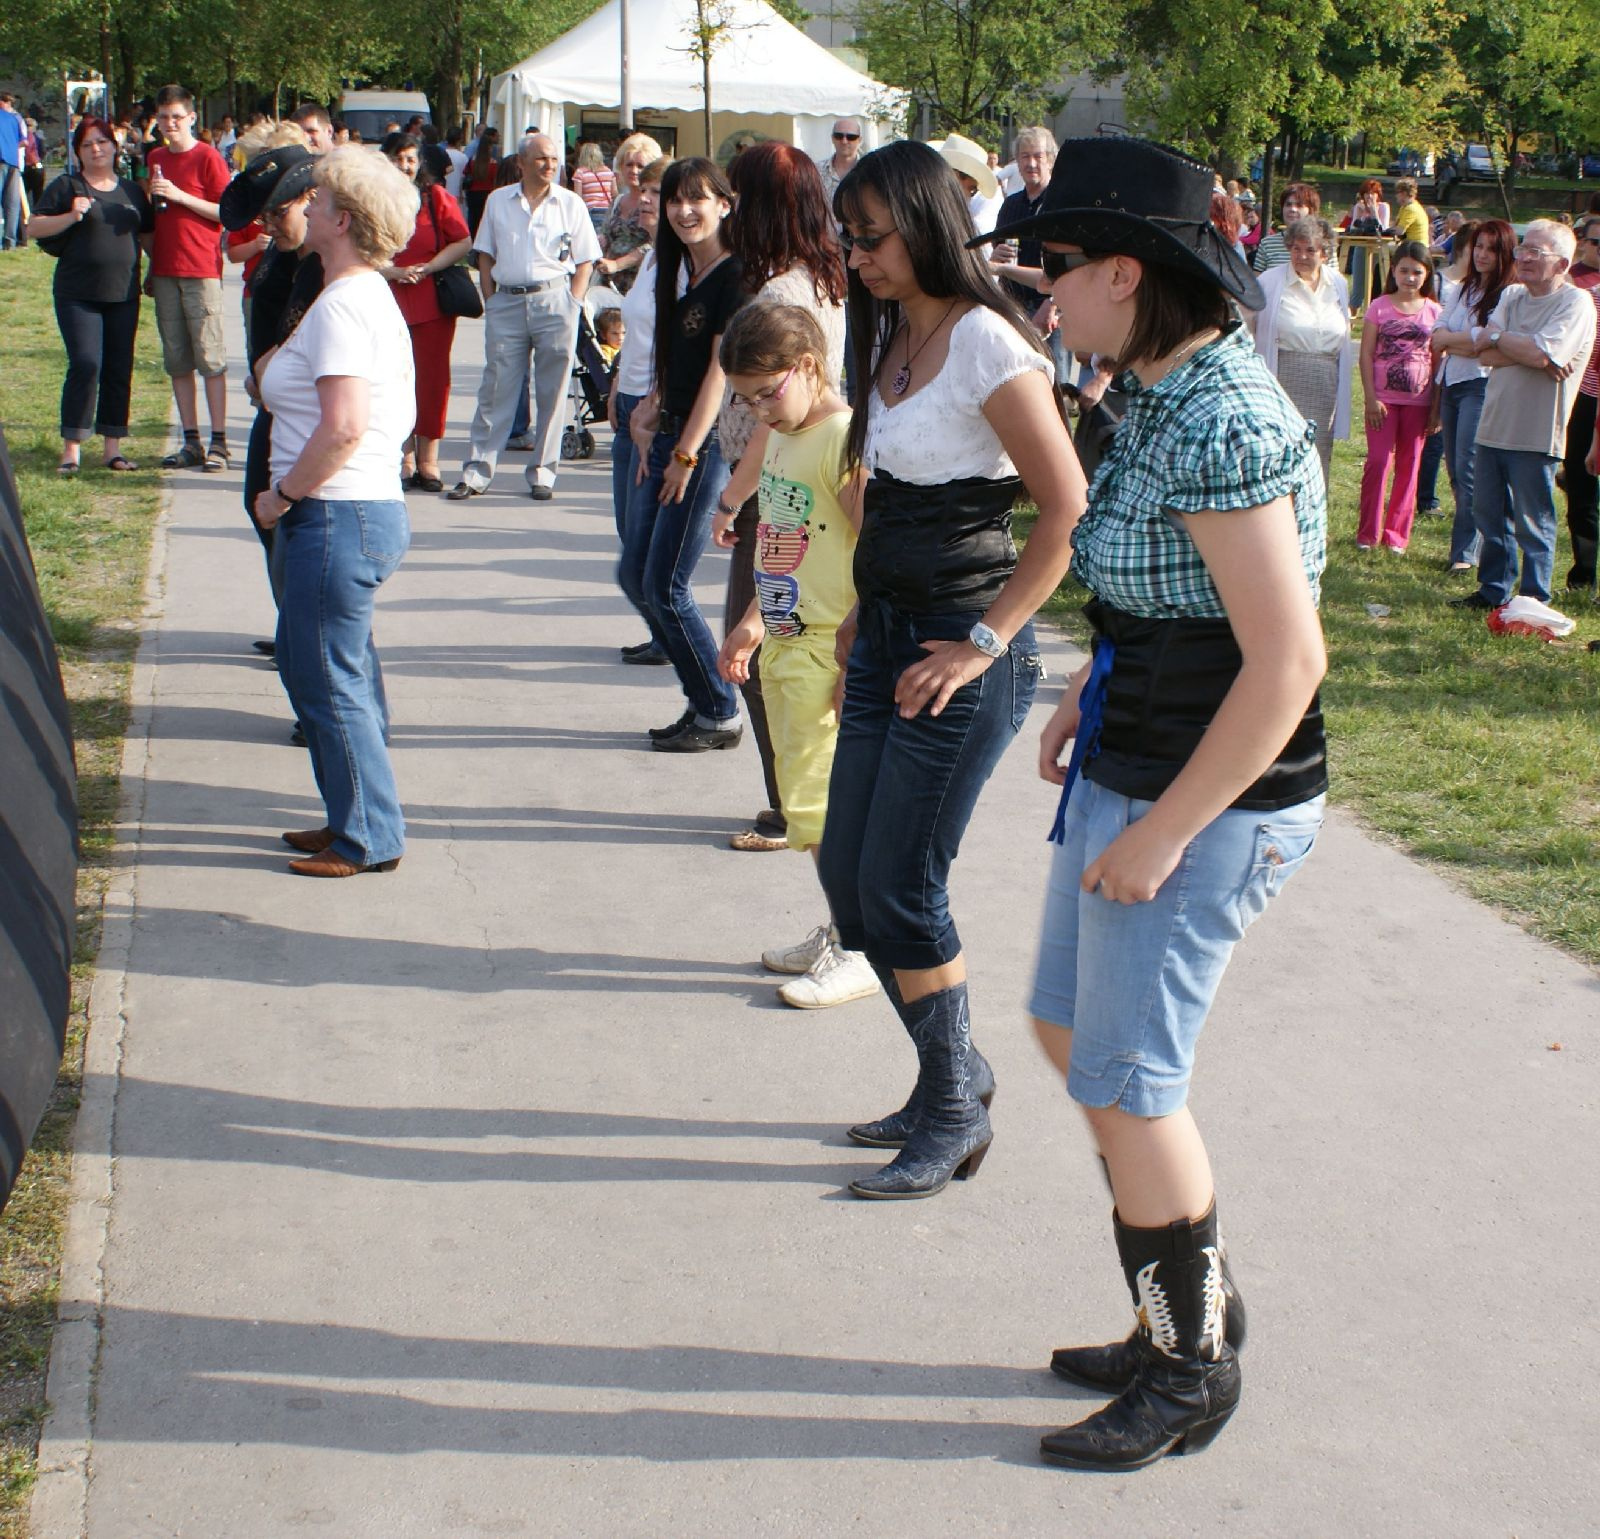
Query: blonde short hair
pixel 261 137
pixel 379 198
pixel 640 145
pixel 1562 240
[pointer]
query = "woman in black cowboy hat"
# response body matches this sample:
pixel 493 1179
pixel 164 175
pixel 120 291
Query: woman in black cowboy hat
pixel 1199 737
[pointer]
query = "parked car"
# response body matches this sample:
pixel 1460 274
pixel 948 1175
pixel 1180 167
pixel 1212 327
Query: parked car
pixel 1589 166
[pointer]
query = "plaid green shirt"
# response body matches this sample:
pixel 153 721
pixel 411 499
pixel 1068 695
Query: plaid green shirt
pixel 1216 434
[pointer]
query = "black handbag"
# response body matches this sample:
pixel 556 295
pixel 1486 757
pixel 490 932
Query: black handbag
pixel 458 294
pixel 55 245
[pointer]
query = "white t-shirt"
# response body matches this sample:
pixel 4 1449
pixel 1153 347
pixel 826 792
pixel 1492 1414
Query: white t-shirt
pixel 940 433
pixel 458 164
pixel 530 245
pixel 354 329
pixel 985 212
pixel 1459 314
pixel 1524 408
pixel 636 364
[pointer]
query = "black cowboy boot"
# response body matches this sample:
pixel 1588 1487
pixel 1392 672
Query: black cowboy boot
pixel 892 1131
pixel 1112 1366
pixel 952 1134
pixel 1186 1377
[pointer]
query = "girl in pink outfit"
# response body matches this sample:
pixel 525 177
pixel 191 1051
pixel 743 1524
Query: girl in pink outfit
pixel 1397 381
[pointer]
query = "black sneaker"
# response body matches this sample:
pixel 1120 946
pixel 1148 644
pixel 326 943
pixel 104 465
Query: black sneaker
pixel 682 724
pixel 1473 600
pixel 695 739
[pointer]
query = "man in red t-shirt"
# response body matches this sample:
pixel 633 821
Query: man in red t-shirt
pixel 186 180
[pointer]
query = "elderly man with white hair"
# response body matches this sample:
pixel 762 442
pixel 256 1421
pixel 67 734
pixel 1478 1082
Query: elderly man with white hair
pixel 1535 346
pixel 535 249
pixel 1020 266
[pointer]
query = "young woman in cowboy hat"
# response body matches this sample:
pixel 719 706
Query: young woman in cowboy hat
pixel 1199 736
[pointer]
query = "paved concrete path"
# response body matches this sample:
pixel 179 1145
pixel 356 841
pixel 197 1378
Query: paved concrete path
pixel 500 1196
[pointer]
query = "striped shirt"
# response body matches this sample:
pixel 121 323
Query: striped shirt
pixel 1217 434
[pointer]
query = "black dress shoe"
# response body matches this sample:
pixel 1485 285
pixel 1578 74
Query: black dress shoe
pixel 638 647
pixel 427 483
pixel 1473 600
pixel 297 737
pixel 266 648
pixel 672 729
pixel 541 493
pixel 695 739
pixel 645 657
pixel 461 491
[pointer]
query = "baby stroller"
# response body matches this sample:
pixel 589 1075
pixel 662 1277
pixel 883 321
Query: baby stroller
pixel 587 392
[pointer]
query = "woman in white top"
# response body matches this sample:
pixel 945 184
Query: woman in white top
pixel 955 419
pixel 343 402
pixel 783 233
pixel 634 377
pixel 1303 332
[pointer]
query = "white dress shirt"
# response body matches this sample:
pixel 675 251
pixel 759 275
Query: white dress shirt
pixel 1312 320
pixel 530 245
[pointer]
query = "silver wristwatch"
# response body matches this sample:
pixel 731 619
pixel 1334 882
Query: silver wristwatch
pixel 986 641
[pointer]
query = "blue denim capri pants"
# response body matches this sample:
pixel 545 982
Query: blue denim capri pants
pixel 1134 982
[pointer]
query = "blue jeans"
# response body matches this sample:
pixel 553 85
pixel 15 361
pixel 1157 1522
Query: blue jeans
pixel 1133 982
pixel 661 546
pixel 1514 501
pixel 903 791
pixel 624 460
pixel 329 559
pixel 10 206
pixel 1460 406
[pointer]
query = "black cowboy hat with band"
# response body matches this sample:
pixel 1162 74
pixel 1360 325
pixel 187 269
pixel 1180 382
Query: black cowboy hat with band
pixel 1128 197
pixel 273 178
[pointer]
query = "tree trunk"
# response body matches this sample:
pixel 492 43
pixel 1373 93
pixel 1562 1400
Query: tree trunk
pixel 449 103
pixel 1267 156
pixel 105 54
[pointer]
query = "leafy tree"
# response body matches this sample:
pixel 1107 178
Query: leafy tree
pixel 968 60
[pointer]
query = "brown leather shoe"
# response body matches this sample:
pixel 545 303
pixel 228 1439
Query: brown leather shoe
pixel 313 841
pixel 329 863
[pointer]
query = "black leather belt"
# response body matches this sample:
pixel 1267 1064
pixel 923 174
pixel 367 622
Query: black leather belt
pixel 527 288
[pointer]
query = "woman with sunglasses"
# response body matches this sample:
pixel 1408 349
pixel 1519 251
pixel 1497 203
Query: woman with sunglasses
pixel 956 418
pixel 1199 737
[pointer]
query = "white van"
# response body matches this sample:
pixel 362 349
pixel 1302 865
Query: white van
pixel 366 112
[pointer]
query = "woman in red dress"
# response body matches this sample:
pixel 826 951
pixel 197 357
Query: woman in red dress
pixel 439 240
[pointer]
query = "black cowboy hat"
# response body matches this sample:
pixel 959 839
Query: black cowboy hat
pixel 271 179
pixel 1133 198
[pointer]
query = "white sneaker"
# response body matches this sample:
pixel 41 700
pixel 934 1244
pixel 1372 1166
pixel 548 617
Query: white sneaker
pixel 838 977
pixel 799 958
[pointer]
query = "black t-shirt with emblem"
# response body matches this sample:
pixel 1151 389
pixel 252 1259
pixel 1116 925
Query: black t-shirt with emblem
pixel 698 319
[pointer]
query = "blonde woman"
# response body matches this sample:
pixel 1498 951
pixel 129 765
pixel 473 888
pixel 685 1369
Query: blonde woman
pixel 342 396
pixel 623 239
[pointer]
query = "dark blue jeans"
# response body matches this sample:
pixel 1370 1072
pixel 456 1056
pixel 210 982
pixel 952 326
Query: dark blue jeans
pixel 329 559
pixel 903 791
pixel 96 393
pixel 1514 500
pixel 661 546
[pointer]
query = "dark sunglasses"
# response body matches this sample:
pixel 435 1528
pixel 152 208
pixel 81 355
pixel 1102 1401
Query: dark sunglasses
pixel 865 242
pixel 851 137
pixel 1057 264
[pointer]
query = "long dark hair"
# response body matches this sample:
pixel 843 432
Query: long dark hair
pixel 927 207
pixel 1488 290
pixel 485 156
pixel 782 221
pixel 1413 251
pixel 695 177
pixel 394 143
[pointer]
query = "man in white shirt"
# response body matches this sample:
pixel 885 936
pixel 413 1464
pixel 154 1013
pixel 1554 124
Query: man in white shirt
pixel 535 249
pixel 1535 346
pixel 846 152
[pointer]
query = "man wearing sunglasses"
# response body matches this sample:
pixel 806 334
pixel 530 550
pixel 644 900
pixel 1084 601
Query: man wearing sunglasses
pixel 846 152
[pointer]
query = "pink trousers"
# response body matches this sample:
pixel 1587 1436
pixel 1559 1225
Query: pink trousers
pixel 1397 440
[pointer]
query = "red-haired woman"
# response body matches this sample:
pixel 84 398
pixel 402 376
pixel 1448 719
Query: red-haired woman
pixel 480 177
pixel 1227 218
pixel 1369 214
pixel 1467 304
pixel 101 220
pixel 784 234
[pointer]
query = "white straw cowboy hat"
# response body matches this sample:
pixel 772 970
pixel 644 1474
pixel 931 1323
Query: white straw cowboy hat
pixel 970 159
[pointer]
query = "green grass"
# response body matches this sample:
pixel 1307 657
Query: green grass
pixel 90 538
pixel 1475 752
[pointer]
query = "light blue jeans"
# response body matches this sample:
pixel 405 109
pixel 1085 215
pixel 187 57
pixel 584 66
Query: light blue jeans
pixel 329 560
pixel 1514 501
pixel 1460 406
pixel 1134 982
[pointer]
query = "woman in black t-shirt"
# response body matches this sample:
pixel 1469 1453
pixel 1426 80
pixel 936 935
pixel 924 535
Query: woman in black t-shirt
pixel 94 222
pixel 699 286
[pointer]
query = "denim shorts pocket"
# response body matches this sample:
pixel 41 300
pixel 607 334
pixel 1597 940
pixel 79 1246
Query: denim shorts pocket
pixel 1027 669
pixel 385 531
pixel 1280 850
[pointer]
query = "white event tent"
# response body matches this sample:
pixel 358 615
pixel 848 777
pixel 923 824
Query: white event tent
pixel 767 77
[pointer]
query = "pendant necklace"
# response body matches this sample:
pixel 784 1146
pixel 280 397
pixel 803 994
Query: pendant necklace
pixel 902 379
